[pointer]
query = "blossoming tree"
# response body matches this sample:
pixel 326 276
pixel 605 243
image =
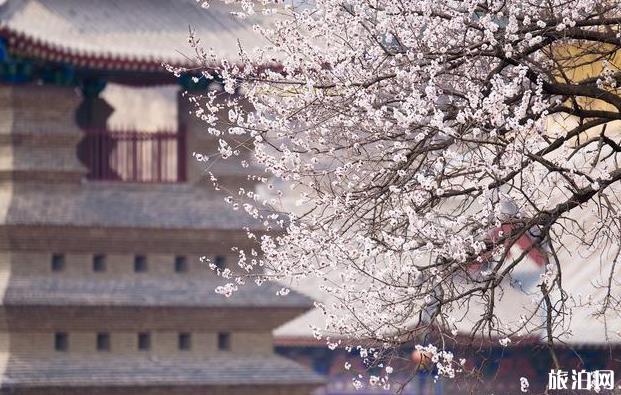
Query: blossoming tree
pixel 434 149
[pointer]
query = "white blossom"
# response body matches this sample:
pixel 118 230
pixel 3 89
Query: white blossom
pixel 416 155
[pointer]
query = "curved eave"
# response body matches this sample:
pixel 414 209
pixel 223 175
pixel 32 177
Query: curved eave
pixel 23 45
pixel 28 47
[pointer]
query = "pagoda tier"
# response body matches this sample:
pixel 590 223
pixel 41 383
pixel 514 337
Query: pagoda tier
pixel 101 287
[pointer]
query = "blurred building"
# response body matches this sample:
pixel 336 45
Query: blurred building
pixel 101 287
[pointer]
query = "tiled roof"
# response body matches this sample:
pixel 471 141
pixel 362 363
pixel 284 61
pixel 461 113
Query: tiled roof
pixel 125 371
pixel 199 292
pixel 122 33
pixel 175 206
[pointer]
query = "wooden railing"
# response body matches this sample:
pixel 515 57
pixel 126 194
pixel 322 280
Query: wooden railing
pixel 133 156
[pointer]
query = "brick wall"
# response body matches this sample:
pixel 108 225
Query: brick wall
pixel 92 318
pixel 164 344
pixel 118 266
pixel 69 239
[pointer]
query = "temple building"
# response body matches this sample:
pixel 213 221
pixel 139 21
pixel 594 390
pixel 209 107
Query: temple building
pixel 101 230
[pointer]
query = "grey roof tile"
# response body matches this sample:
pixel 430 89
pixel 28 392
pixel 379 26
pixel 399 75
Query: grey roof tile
pixel 173 206
pixel 131 371
pixel 68 291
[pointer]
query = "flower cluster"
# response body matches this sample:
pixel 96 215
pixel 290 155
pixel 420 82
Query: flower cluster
pixel 409 147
